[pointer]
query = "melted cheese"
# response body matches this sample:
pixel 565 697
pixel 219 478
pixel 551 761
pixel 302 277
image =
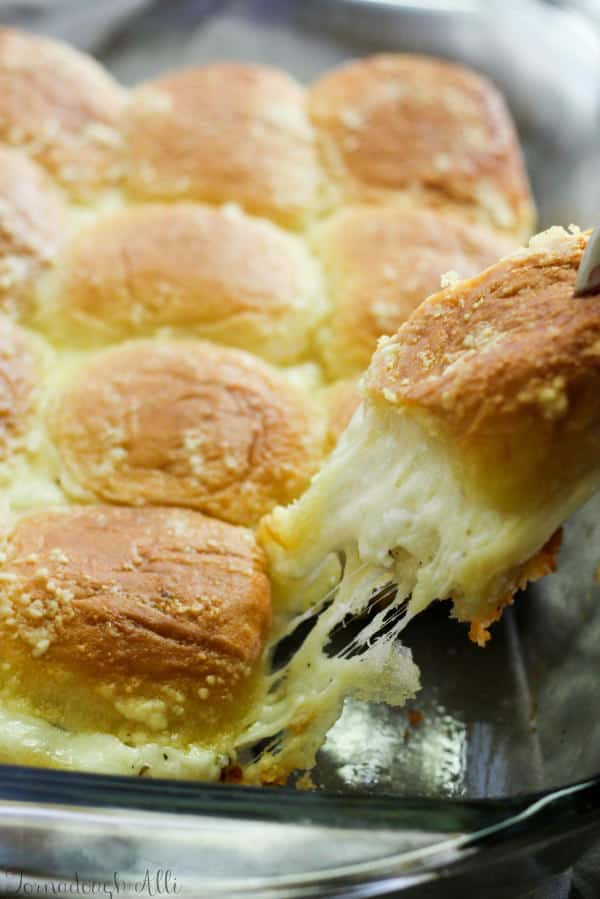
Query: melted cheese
pixel 30 740
pixel 392 511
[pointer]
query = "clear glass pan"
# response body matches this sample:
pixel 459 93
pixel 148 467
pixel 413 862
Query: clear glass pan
pixel 464 793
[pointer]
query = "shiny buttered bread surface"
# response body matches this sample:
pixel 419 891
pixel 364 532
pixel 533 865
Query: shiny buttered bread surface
pixel 194 273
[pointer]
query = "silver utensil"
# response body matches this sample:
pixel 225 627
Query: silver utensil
pixel 588 276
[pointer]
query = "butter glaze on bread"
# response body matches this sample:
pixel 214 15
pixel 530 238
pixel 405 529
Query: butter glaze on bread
pixel 61 108
pixel 185 423
pixel 144 623
pixel 417 131
pixel 381 263
pixel 224 132
pixel 215 273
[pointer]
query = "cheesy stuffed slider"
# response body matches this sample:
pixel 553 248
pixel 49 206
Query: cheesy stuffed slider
pixel 184 423
pixel 478 435
pixel 414 131
pixel 225 132
pixel 380 264
pixel 131 639
pixel 61 108
pixel 190 269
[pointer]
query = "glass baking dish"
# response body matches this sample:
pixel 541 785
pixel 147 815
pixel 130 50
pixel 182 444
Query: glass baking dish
pixel 488 784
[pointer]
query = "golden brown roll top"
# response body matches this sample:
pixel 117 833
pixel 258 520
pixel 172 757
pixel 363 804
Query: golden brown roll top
pixel 380 264
pixel 390 128
pixel 508 363
pixel 61 108
pixel 420 131
pixel 185 423
pixel 137 622
pixel 32 226
pixel 216 273
pixel 225 132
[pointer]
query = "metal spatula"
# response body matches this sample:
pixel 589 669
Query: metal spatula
pixel 588 276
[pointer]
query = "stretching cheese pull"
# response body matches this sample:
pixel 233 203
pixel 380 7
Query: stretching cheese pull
pixel 477 436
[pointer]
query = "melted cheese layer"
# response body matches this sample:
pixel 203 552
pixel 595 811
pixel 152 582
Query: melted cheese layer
pixel 25 739
pixel 389 524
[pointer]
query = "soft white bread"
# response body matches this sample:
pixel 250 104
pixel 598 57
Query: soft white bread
pixel 224 132
pixel 478 435
pixel 381 262
pixel 417 131
pixel 130 638
pixel 190 269
pixel 184 423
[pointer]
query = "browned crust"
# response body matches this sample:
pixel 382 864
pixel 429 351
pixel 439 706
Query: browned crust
pixel 141 579
pixel 114 604
pixel 381 263
pixel 62 108
pixel 544 562
pixel 412 128
pixel 190 424
pixel 224 132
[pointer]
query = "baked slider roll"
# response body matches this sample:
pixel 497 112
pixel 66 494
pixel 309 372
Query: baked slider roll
pixel 215 273
pixel 131 639
pixel 380 264
pixel 478 435
pixel 32 226
pixel 224 132
pixel 185 423
pixel 413 131
pixel 61 108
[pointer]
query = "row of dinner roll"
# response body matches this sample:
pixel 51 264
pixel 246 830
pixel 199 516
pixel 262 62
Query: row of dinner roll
pixel 162 422
pixel 137 270
pixel 392 129
pixel 217 273
pixel 154 214
pixel 131 629
pixel 250 134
